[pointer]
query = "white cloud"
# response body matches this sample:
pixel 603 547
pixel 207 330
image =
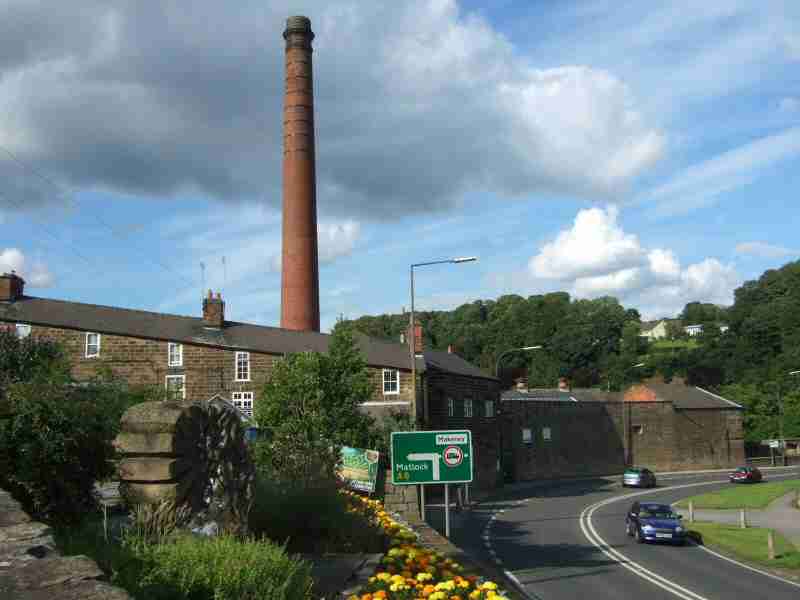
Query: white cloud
pixel 594 246
pixel 701 184
pixel 36 275
pixel 337 240
pixel 596 257
pixel 763 250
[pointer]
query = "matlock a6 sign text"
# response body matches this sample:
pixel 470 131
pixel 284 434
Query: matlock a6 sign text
pixel 423 457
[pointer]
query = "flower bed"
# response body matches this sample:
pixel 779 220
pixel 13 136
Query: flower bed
pixel 409 571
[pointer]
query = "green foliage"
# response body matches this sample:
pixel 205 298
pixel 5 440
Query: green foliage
pixel 27 359
pixel 58 443
pixel 310 407
pixel 313 518
pixel 748 544
pixel 744 496
pixel 187 567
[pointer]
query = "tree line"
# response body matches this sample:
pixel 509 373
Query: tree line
pixel 597 343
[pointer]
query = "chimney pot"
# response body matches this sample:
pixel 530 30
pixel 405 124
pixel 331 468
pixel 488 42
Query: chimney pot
pixel 213 311
pixel 11 287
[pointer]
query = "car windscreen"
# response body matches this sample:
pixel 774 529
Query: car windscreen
pixel 657 514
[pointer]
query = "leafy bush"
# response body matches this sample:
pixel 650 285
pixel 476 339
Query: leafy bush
pixel 58 443
pixel 310 407
pixel 190 567
pixel 314 518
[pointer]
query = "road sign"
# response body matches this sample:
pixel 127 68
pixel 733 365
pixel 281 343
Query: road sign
pixel 774 444
pixel 431 457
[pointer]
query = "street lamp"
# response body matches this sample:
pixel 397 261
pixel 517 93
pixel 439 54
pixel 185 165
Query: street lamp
pixel 502 354
pixel 412 345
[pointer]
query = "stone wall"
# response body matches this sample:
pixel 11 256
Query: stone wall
pixel 485 429
pixel 192 456
pixel 32 569
pixel 400 498
pixel 586 438
pixel 208 370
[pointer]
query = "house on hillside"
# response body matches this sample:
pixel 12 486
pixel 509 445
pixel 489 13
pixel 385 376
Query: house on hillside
pixel 654 330
pixel 583 432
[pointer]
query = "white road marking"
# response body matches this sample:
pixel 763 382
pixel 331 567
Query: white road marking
pixel 595 539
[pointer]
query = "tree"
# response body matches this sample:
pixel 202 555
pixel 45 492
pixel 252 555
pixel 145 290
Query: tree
pixel 310 407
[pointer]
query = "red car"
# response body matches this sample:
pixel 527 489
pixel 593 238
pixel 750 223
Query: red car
pixel 745 475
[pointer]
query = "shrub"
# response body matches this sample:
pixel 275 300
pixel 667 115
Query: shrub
pixel 220 568
pixel 58 443
pixel 314 518
pixel 187 567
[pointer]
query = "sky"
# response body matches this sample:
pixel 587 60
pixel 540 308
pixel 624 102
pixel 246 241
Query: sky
pixel 647 151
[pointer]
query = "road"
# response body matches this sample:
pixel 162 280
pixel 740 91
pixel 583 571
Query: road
pixel 567 541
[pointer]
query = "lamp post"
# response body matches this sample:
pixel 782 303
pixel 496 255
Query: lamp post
pixel 412 346
pixel 502 354
pixel 625 419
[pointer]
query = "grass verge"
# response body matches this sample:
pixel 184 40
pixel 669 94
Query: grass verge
pixel 748 544
pixel 745 495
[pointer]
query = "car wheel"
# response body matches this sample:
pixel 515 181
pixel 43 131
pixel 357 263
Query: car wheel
pixel 638 535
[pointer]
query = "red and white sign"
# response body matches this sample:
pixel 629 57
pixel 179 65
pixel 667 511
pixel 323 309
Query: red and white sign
pixel 453 456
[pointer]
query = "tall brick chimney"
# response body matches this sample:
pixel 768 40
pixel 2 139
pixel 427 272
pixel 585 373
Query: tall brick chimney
pixel 213 311
pixel 11 287
pixel 299 262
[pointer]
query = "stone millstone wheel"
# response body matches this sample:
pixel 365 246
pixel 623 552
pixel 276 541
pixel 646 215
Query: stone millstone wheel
pixel 193 456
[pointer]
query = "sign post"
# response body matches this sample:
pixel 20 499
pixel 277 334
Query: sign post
pixel 432 457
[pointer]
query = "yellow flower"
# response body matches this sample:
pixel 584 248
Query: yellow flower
pixel 489 585
pixel 384 576
pixel 424 576
pixel 475 594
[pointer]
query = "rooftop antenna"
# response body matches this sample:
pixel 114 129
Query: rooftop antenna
pixel 224 275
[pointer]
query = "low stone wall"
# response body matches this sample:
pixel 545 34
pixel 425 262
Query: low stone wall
pixel 191 455
pixel 32 569
pixel 402 499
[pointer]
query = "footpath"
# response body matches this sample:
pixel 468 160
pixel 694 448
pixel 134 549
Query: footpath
pixel 782 515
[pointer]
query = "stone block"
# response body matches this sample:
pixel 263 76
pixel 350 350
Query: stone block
pixel 153 493
pixel 23 531
pixel 152 468
pixel 155 443
pixel 161 417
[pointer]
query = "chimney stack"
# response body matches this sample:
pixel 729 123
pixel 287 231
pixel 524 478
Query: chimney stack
pixel 299 261
pixel 11 287
pixel 213 311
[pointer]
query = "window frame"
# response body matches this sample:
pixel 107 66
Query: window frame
pixel 182 378
pixel 251 399
pixel 86 345
pixel 451 406
pixel 396 382
pixel 487 413
pixel 236 366
pixel 170 346
pixel 468 412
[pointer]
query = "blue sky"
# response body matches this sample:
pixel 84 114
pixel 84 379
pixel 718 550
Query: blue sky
pixel 602 148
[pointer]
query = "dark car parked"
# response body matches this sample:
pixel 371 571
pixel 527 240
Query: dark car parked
pixel 745 475
pixel 651 522
pixel 638 477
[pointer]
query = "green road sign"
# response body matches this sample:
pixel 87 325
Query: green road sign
pixel 431 457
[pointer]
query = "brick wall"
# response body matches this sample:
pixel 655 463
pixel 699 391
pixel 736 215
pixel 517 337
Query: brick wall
pixel 208 370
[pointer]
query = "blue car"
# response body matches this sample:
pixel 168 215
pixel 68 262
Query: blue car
pixel 651 522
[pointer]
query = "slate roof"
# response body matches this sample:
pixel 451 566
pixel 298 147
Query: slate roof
pixel 190 330
pixel 682 396
pixel 688 397
pixel 453 363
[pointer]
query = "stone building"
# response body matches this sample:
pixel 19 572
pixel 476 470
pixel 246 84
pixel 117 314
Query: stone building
pixel 665 427
pixel 196 358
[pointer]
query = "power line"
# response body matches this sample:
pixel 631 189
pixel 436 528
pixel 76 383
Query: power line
pixel 71 191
